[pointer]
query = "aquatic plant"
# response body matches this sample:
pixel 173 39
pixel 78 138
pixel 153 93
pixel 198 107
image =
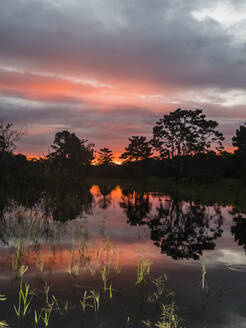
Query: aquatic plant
pixel 169 318
pixel 110 291
pixel 92 271
pixel 24 299
pixel 45 314
pixel 204 284
pixel 84 302
pixel 116 266
pixel 36 317
pixel 95 295
pixel 143 270
pixel 159 284
pixel 104 278
pixel 3 323
pixel 147 323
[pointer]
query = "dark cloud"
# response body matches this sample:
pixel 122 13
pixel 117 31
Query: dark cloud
pixel 155 42
pixel 153 51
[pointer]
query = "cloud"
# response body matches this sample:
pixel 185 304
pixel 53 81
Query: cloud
pixel 120 41
pixel 109 69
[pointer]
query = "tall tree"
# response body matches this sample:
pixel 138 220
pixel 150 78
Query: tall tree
pixel 105 157
pixel 185 132
pixel 8 137
pixel 71 155
pixel 239 140
pixel 138 149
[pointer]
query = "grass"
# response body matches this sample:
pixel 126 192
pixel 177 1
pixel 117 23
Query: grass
pixel 3 323
pixel 91 299
pixel 24 297
pixel 204 284
pixel 143 271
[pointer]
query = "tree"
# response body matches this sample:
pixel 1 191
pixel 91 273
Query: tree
pixel 105 157
pixel 185 132
pixel 239 140
pixel 138 149
pixel 8 138
pixel 71 155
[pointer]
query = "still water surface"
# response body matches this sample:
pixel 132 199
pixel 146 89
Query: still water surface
pixel 67 241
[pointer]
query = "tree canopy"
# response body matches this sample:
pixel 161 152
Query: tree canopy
pixel 71 154
pixel 8 137
pixel 239 140
pixel 138 149
pixel 105 157
pixel 185 132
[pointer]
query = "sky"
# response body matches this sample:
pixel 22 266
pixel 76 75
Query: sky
pixel 109 69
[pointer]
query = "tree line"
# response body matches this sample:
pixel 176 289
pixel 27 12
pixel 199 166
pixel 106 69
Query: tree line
pixel 185 144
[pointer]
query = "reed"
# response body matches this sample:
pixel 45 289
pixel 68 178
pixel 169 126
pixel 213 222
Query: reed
pixel 159 284
pixel 110 291
pixel 36 318
pixel 104 278
pixel 143 271
pixel 3 323
pixel 203 278
pixel 24 299
pixel 45 315
pixel 92 271
pixel 85 301
pixel 169 318
pixel 95 295
pixel 147 323
pixel 116 266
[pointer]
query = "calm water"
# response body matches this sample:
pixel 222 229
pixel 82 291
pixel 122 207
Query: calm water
pixel 68 239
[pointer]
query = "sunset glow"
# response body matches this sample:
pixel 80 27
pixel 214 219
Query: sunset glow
pixel 118 77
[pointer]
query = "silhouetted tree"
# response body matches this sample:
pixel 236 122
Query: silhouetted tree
pixel 239 140
pixel 183 133
pixel 105 157
pixel 71 155
pixel 138 149
pixel 8 138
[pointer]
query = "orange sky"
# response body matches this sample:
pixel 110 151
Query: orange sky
pixel 108 71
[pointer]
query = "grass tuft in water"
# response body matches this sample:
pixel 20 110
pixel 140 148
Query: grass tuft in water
pixel 3 323
pixel 24 299
pixel 143 270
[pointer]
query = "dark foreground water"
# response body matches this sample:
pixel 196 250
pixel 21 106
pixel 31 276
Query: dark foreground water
pixel 111 258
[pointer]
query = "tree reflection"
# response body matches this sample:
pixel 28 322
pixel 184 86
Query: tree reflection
pixel 67 204
pixel 105 200
pixel 238 229
pixel 181 229
pixel 136 206
pixel 184 230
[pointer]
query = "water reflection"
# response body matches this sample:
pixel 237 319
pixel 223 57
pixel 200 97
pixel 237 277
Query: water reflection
pixel 238 228
pixel 136 206
pixel 73 233
pixel 184 230
pixel 105 199
pixel 179 228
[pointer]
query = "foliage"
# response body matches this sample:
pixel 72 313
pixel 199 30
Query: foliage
pixel 138 149
pixel 71 155
pixel 8 137
pixel 185 132
pixel 239 140
pixel 105 157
